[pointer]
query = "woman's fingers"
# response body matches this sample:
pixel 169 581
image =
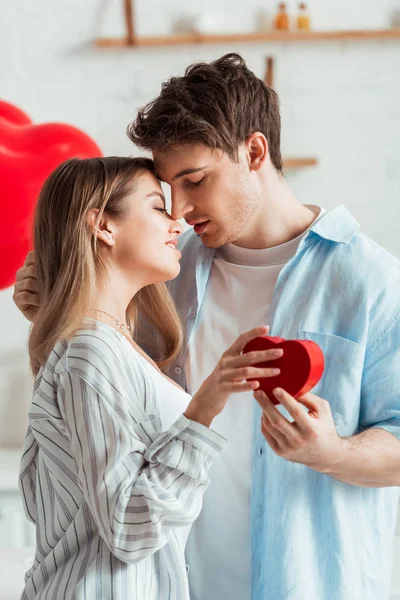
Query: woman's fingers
pixel 235 387
pixel 246 337
pixel 252 358
pixel 250 373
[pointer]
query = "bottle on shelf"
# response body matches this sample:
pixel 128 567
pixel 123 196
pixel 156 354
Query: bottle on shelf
pixel 303 18
pixel 282 18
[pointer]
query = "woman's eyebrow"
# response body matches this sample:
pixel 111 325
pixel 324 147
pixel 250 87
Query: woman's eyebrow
pixel 156 194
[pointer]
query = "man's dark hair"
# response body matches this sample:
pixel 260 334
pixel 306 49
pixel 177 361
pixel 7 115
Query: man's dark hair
pixel 218 104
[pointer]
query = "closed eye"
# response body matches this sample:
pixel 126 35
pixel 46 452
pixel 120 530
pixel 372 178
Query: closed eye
pixel 196 183
pixel 163 210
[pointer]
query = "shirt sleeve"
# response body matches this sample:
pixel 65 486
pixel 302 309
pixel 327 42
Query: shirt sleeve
pixel 380 391
pixel 27 476
pixel 139 482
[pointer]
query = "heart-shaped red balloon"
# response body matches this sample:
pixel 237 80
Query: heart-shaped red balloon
pixel 301 365
pixel 28 154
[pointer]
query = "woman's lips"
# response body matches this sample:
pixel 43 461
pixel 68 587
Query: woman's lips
pixel 174 248
pixel 201 227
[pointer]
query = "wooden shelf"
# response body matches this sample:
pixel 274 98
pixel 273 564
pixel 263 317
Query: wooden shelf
pixel 299 163
pixel 273 36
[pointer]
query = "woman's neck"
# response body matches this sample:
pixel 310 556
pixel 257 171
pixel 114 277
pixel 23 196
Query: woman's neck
pixel 113 295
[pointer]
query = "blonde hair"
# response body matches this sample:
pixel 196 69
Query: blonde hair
pixel 68 260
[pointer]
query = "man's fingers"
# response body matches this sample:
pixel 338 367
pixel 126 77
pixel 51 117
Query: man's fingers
pixel 25 299
pixel 275 434
pixel 26 273
pixel 294 409
pixel 272 442
pixel 30 259
pixel 273 415
pixel 27 285
pixel 315 405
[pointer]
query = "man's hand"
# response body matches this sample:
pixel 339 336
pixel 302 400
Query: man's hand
pixel 311 439
pixel 26 293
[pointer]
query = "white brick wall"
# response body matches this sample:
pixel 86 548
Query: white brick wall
pixel 340 102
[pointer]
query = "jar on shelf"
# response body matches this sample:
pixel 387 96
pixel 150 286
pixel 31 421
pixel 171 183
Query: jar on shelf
pixel 303 18
pixel 281 22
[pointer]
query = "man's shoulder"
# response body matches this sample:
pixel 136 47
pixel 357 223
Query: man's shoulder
pixel 350 249
pixel 369 260
pixel 363 274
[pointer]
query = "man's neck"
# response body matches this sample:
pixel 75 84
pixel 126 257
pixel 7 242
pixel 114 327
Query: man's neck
pixel 279 219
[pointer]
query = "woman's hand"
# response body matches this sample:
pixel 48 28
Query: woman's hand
pixel 229 377
pixel 26 293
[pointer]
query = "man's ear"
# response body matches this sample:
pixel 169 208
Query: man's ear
pixel 103 229
pixel 257 150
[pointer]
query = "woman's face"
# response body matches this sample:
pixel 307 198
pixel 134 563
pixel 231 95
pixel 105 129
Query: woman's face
pixel 145 239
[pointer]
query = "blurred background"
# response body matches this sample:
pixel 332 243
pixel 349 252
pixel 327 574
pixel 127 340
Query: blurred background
pixel 334 63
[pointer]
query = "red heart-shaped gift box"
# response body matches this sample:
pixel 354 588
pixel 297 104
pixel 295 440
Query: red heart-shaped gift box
pixel 301 365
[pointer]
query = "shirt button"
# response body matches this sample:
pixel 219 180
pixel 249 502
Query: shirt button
pixel 261 451
pixel 258 571
pixel 178 370
pixel 192 315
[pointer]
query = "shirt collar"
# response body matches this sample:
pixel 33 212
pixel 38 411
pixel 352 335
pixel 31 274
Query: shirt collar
pixel 337 225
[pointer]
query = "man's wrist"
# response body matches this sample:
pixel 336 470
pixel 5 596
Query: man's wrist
pixel 336 465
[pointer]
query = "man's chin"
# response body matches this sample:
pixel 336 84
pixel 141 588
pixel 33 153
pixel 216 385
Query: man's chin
pixel 213 240
pixel 216 239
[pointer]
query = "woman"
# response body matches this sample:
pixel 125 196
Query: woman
pixel 116 457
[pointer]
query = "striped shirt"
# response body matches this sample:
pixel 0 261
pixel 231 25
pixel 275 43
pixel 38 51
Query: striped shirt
pixel 111 484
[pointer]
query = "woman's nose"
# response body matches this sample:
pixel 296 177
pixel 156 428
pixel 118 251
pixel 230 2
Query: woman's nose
pixel 176 227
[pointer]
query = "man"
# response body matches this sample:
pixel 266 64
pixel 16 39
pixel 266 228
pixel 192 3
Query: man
pixel 302 504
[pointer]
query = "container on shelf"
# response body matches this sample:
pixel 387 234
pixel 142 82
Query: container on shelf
pixel 281 22
pixel 303 18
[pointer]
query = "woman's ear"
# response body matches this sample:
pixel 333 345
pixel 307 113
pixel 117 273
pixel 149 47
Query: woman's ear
pixel 103 229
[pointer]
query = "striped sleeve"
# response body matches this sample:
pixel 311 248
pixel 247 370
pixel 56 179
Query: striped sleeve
pixel 139 482
pixel 27 476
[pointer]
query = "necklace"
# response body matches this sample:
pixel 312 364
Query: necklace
pixel 116 321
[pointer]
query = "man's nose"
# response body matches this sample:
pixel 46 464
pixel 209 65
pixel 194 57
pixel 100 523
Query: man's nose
pixel 180 206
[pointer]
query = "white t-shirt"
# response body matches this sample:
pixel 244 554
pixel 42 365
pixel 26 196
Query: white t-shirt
pixel 238 298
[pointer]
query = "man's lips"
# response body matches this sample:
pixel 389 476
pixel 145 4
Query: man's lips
pixel 199 226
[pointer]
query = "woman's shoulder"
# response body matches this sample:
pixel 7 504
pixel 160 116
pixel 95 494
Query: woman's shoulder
pixel 97 358
pixel 97 350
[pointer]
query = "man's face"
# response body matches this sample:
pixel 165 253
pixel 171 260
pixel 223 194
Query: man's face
pixel 210 191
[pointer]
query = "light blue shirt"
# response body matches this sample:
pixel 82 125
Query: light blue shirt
pixel 312 536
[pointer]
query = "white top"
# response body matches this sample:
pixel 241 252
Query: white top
pixel 238 298
pixel 112 496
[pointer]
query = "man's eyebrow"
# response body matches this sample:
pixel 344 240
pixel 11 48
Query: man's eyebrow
pixel 156 194
pixel 188 172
